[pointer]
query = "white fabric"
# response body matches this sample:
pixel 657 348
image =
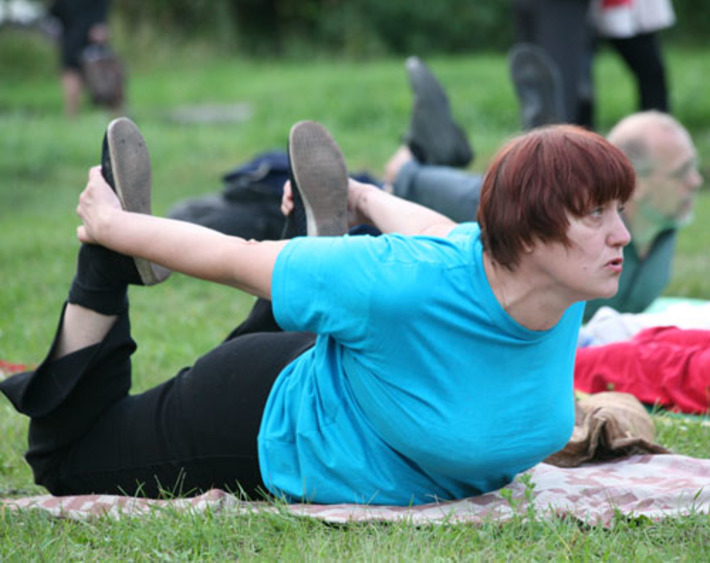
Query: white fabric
pixel 608 325
pixel 631 18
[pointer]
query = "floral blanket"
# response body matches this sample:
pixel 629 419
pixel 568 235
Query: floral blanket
pixel 654 486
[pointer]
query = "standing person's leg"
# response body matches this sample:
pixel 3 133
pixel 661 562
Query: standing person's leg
pixel 561 28
pixel 586 104
pixel 642 54
pixel 72 87
pixel 74 38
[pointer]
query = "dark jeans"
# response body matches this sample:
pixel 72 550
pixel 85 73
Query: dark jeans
pixel 196 431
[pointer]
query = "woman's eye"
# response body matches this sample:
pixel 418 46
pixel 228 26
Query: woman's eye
pixel 596 212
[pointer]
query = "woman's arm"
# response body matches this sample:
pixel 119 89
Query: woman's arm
pixel 367 204
pixel 180 246
pixel 391 214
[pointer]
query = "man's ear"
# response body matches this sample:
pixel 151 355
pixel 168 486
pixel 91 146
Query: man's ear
pixel 641 188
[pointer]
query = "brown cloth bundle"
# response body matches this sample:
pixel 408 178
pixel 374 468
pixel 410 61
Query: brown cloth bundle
pixel 608 425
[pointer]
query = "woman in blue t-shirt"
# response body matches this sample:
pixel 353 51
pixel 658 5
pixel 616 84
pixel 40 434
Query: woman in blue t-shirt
pixel 433 362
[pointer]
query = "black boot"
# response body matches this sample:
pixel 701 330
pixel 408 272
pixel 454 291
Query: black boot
pixel 434 137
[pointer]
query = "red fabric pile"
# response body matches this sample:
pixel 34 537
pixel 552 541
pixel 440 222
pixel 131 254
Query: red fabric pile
pixel 664 366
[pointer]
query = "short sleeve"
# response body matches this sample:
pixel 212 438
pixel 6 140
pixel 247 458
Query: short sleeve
pixel 324 285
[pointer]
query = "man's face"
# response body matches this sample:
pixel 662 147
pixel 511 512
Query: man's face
pixel 669 189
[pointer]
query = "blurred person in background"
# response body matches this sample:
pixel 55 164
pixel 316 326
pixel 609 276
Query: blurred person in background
pixel 631 28
pixel 82 23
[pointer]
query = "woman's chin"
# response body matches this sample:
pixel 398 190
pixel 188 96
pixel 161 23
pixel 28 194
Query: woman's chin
pixel 604 292
pixel 608 294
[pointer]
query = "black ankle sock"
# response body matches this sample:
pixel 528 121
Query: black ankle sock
pixel 101 280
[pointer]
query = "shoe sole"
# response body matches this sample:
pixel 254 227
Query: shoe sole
pixel 321 176
pixel 131 172
pixel 531 69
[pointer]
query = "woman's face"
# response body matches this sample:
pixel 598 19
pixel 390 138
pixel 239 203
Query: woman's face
pixel 590 265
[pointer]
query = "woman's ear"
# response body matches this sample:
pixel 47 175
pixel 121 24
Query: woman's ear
pixel 528 247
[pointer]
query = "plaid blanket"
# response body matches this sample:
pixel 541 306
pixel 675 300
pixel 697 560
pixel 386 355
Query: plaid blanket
pixel 654 486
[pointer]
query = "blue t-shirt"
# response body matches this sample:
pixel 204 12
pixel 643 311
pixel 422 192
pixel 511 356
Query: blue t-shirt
pixel 420 387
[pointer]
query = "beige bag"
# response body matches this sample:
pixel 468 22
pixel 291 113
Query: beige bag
pixel 608 425
pixel 104 74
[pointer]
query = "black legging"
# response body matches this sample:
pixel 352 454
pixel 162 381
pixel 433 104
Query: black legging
pixel 196 431
pixel 642 54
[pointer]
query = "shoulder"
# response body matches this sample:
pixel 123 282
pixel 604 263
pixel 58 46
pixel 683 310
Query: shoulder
pixel 457 245
pixel 472 230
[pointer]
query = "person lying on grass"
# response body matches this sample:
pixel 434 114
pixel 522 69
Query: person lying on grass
pixel 433 362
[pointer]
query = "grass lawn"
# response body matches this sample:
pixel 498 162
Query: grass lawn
pixel 43 164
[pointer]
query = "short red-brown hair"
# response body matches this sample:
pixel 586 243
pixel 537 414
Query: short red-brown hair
pixel 538 178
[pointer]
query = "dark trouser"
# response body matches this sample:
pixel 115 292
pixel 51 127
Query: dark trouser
pixel 453 192
pixel 561 28
pixel 642 54
pixel 194 432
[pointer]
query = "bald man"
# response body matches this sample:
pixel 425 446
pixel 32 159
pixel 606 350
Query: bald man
pixel 667 181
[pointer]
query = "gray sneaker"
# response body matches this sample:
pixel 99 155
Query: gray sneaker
pixel 538 86
pixel 125 165
pixel 434 137
pixel 319 182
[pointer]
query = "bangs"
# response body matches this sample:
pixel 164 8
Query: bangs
pixel 601 172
